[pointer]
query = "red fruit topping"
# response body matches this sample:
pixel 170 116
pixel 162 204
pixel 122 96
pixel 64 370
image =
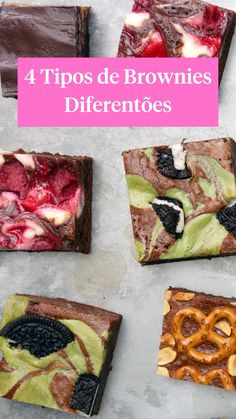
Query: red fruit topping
pixel 43 167
pixel 154 47
pixel 211 25
pixel 213 43
pixel 33 206
pixel 28 233
pixel 63 184
pixel 39 195
pixel 14 178
pixel 72 204
pixel 214 20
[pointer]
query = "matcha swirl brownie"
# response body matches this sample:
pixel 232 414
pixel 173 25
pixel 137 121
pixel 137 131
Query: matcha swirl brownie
pixel 56 353
pixel 183 200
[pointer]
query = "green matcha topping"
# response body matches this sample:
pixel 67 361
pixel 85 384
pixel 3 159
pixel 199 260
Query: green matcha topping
pixel 141 192
pixel 183 197
pixel 203 236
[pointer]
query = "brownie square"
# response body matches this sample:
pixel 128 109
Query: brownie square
pixel 183 200
pixel 177 28
pixel 45 202
pixel 39 31
pixel 56 353
pixel 198 341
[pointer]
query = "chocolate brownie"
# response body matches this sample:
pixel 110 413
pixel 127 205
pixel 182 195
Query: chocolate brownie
pixel 45 202
pixel 39 31
pixel 56 353
pixel 198 341
pixel 177 28
pixel 183 200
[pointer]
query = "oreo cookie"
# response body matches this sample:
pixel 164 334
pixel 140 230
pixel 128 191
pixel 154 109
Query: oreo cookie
pixel 84 393
pixel 171 214
pixel 227 217
pixel 166 165
pixel 41 336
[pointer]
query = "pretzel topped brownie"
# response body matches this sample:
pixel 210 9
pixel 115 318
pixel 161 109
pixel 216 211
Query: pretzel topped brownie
pixel 198 341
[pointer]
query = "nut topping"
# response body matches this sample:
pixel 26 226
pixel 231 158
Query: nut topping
pixel 224 326
pixel 166 308
pixel 163 371
pixel 184 296
pixel 168 340
pixel 231 365
pixel 166 356
pixel 168 294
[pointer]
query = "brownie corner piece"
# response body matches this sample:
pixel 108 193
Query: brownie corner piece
pixel 56 353
pixel 45 202
pixel 182 200
pixel 41 31
pixel 189 29
pixel 198 341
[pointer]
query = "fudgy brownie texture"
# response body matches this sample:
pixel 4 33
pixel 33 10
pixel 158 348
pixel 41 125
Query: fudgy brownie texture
pixel 39 31
pixel 198 341
pixel 56 353
pixel 45 202
pixel 177 28
pixel 183 200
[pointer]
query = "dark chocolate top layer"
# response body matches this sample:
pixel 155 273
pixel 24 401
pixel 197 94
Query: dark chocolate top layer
pixel 39 31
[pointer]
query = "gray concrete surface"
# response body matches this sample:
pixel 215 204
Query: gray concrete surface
pixel 109 276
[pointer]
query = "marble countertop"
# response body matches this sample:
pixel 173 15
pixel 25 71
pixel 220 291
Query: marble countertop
pixel 110 277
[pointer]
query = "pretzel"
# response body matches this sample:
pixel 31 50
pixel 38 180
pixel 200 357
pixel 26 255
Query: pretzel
pixel 206 378
pixel 187 344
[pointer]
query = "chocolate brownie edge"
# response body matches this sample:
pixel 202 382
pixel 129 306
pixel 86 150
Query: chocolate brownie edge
pixel 84 222
pixel 115 328
pixel 226 44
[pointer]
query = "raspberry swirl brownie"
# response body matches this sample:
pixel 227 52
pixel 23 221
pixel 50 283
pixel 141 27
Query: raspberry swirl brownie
pixel 177 28
pixel 56 353
pixel 45 202
pixel 198 341
pixel 183 200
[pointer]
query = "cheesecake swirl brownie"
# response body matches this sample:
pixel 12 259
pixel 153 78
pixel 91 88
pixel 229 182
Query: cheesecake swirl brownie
pixel 198 341
pixel 177 28
pixel 56 353
pixel 45 202
pixel 183 200
pixel 39 31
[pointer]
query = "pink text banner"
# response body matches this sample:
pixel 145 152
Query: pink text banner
pixel 118 92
